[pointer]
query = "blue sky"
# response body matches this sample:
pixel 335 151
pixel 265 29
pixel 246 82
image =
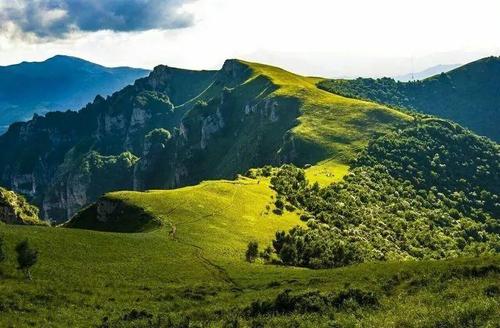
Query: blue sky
pixel 314 37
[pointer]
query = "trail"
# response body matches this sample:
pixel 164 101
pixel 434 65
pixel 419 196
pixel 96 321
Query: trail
pixel 218 271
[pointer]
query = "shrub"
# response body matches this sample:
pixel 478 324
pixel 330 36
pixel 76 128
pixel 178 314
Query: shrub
pixel 311 302
pixel 252 251
pixel 26 257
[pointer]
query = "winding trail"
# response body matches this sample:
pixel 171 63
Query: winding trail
pixel 211 266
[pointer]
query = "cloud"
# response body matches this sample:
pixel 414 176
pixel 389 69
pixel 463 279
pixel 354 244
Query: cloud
pixel 57 18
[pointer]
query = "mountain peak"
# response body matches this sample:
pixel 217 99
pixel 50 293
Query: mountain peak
pixel 64 57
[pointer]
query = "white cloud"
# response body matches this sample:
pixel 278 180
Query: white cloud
pixel 317 37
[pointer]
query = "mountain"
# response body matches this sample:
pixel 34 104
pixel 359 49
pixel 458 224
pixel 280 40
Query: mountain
pixel 181 253
pixel 178 127
pixel 58 83
pixel 431 71
pixel 393 222
pixel 469 95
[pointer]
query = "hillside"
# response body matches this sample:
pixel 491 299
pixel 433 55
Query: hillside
pixel 58 83
pixel 178 127
pixel 176 257
pixel 199 274
pixel 469 95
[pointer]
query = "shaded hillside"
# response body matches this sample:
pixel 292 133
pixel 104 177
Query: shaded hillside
pixel 59 83
pixel 179 127
pixel 469 95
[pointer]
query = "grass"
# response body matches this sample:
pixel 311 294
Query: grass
pixel 93 274
pixel 337 126
pixel 326 172
pixel 83 276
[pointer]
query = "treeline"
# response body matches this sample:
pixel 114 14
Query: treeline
pixel 429 191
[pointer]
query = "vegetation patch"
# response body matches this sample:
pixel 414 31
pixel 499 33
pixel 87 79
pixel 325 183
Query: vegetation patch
pixel 429 191
pixel 15 209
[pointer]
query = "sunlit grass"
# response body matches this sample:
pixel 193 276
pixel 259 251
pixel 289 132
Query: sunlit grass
pixel 339 126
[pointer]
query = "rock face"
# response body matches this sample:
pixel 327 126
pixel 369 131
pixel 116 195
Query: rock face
pixel 173 128
pixel 14 209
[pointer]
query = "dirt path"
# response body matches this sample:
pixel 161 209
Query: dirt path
pixel 211 266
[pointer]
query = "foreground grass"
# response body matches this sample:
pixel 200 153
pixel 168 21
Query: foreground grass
pixel 86 278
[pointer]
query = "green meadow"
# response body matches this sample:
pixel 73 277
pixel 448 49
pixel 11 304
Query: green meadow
pixel 85 278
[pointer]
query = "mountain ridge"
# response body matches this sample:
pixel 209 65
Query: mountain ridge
pixel 58 83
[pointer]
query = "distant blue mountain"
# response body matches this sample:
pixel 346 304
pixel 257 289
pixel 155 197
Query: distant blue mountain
pixel 434 70
pixel 58 83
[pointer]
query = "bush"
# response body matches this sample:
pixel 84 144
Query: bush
pixel 311 302
pixel 26 258
pixel 252 251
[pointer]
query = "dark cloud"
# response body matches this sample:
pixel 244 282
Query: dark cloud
pixel 55 18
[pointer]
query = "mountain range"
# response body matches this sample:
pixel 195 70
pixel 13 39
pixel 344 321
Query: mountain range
pixel 431 71
pixel 58 83
pixel 251 196
pixel 178 127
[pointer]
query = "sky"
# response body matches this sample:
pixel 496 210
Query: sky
pixel 330 38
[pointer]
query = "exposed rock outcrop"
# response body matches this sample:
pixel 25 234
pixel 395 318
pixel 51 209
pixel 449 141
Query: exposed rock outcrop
pixel 14 209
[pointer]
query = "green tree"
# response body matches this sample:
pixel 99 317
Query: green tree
pixel 252 251
pixel 26 257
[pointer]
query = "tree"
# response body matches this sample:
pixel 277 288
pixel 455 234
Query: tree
pixel 252 251
pixel 288 254
pixel 26 257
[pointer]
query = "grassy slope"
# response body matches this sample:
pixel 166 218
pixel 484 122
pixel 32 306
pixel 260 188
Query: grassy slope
pixel 84 275
pixel 326 172
pixel 336 125
pixel 214 222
